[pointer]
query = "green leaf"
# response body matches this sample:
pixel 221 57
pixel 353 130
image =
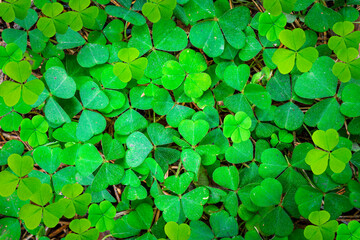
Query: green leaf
pixel 267 194
pixel 192 203
pixel 139 148
pixel 10 227
pixel 321 18
pixel 92 97
pixel 271 26
pixel 142 217
pixel 349 231
pixel 19 71
pixel 289 116
pixel 275 7
pixel 237 77
pixel 223 225
pixel 258 95
pixel 102 216
pixel 128 15
pixel 320 82
pixel 47 158
pixel 326 140
pixel 350 96
pixel 324 228
pixel 92 54
pixel 87 159
pixel 237 127
pixel 325 115
pixel 90 124
pixel 227 177
pixel 156 10
pixel 273 163
pixel 70 39
pixel 208 36
pixel 168 37
pixel 277 222
pixel 59 83
pixel 232 23
pixel 170 205
pixel 175 231
pixel 129 122
pixel 179 184
pixel 193 131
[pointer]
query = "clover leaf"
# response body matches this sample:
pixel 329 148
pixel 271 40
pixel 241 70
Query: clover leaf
pixel 9 182
pixel 237 127
pixel 81 230
pixel 12 92
pixel 346 39
pixel 131 67
pixel 319 159
pixel 285 59
pixel 189 68
pixel 210 34
pixel 350 65
pixel 275 7
pixel 76 202
pixel 271 26
pixel 350 231
pixel 34 131
pixel 83 15
pixel 322 228
pixel 54 22
pixel 158 9
pixel 33 214
pixel 102 216
pixel 9 10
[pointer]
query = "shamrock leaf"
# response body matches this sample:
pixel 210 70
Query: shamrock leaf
pixel 322 228
pixel 131 67
pixel 275 7
pixel 11 9
pixel 88 159
pixel 351 231
pixel 190 67
pixel 75 202
pixel 54 22
pixel 346 39
pixel 21 166
pixel 319 159
pixel 271 26
pixel 350 65
pixel 34 131
pixel 33 214
pixel 81 230
pixel 193 131
pixel 237 127
pixel 304 58
pixel 102 216
pixel 158 9
pixel 83 15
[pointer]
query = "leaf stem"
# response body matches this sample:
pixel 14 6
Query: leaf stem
pixel 109 235
pixel 179 168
